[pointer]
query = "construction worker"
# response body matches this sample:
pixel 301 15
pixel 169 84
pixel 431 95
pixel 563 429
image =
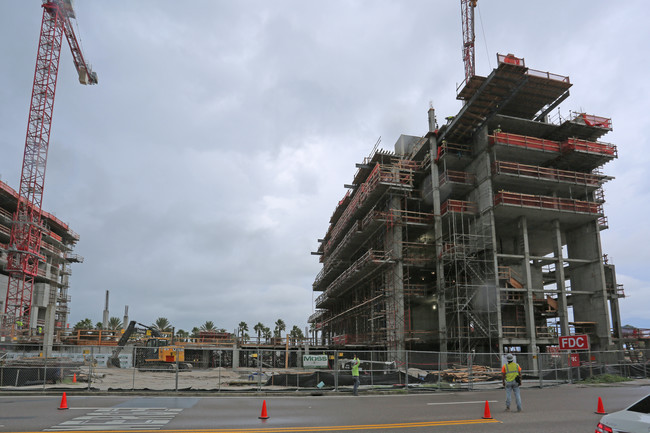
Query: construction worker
pixel 511 378
pixel 355 374
pixel 19 324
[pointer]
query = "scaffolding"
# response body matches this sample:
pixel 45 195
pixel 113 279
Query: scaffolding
pixel 469 282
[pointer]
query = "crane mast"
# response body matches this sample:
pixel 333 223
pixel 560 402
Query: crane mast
pixel 27 228
pixel 467 17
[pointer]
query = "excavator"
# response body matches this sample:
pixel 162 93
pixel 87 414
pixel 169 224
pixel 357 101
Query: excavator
pixel 156 354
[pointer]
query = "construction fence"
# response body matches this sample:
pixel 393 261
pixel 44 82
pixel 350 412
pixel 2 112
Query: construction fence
pixel 265 370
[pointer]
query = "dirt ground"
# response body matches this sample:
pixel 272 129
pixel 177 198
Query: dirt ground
pixel 106 379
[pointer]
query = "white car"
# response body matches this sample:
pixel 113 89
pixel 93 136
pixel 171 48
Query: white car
pixel 634 419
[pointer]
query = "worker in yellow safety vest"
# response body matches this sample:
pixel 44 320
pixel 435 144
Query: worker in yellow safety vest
pixel 355 374
pixel 511 377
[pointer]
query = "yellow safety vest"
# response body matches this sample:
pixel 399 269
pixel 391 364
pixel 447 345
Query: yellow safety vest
pixel 513 372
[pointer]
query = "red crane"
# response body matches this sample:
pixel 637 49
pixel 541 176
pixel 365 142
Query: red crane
pixel 467 16
pixel 27 228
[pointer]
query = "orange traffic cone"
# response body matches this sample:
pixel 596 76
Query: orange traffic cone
pixel 74 378
pixel 601 408
pixel 64 402
pixel 264 415
pixel 486 412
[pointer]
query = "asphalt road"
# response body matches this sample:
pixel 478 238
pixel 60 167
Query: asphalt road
pixel 557 409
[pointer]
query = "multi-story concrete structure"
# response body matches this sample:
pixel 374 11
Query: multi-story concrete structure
pixel 51 284
pixel 483 234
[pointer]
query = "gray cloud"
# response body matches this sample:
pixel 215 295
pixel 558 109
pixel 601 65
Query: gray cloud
pixel 204 166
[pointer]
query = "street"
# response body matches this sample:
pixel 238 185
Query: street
pixel 554 409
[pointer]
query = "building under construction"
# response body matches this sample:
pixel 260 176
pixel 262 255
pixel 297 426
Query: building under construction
pixel 52 282
pixel 482 235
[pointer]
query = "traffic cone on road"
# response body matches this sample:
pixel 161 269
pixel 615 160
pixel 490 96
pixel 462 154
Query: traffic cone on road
pixel 264 415
pixel 64 402
pixel 74 378
pixel 486 412
pixel 601 408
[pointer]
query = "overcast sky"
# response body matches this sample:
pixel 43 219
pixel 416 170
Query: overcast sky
pixel 203 168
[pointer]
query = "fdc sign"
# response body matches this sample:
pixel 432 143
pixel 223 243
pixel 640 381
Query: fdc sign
pixel 574 342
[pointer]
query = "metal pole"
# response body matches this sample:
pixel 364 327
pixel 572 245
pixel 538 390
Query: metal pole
pixel 336 371
pixel 176 364
pixel 90 366
pixel 372 368
pixel 133 366
pixel 439 361
pixel 259 374
pixel 219 352
pixel 539 369
pixel 406 360
pixel 44 372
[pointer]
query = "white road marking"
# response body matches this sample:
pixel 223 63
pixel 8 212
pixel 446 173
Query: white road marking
pixel 119 419
pixel 463 402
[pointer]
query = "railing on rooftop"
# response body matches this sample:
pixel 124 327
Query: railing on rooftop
pixel 572 144
pixel 510 59
pixel 544 202
pixel 506 167
pixel 524 141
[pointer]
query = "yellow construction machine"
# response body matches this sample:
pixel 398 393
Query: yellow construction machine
pixel 156 354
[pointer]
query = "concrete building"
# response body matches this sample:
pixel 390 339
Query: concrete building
pixel 483 234
pixel 52 283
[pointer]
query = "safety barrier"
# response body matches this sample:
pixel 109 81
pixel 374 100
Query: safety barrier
pixel 255 369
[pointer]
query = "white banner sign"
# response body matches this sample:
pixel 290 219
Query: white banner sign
pixel 314 361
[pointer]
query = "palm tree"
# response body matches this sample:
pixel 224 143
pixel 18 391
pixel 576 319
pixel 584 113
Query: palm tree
pixel 99 325
pixel 243 327
pixel 162 324
pixel 208 326
pixel 267 333
pixel 114 323
pixel 84 324
pixel 296 333
pixel 195 332
pixel 279 327
pixel 259 328
pixel 182 335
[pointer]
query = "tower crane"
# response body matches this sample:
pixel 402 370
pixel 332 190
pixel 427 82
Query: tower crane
pixel 467 17
pixel 27 228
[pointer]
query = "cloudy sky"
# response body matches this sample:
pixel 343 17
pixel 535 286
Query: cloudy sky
pixel 203 168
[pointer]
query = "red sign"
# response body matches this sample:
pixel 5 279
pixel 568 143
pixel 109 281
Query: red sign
pixel 574 360
pixel 574 342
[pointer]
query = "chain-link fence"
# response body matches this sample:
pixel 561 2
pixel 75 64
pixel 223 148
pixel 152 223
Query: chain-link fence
pixel 264 369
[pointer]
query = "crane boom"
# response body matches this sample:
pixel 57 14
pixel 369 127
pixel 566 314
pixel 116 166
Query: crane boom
pixel 467 17
pixel 27 228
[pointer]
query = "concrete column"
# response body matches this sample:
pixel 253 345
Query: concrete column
pixel 584 242
pixel 48 329
pixel 528 306
pixel 493 231
pixel 235 356
pixel 560 279
pixel 437 230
